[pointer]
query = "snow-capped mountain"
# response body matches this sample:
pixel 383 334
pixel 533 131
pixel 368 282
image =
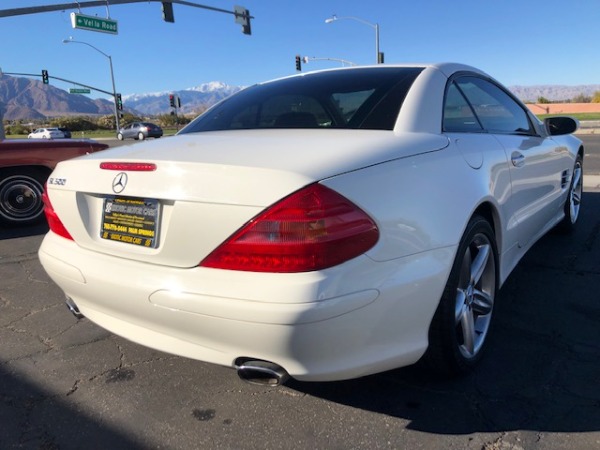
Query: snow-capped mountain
pixel 193 100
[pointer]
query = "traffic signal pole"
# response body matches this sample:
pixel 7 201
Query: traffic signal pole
pixel 242 15
pixel 59 79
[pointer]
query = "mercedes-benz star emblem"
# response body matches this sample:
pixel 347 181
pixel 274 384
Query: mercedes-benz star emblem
pixel 119 183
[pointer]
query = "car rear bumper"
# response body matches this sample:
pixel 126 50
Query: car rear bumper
pixel 318 326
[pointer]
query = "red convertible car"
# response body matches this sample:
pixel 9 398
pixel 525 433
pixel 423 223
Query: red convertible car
pixel 25 165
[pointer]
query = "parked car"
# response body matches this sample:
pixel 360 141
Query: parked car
pixel 323 226
pixel 140 131
pixel 66 132
pixel 46 133
pixel 25 167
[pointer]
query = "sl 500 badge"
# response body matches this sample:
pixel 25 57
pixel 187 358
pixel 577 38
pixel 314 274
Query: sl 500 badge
pixel 57 181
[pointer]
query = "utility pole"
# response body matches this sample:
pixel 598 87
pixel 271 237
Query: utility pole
pixel 2 135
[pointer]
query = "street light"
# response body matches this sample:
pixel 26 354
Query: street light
pixel 112 77
pixel 372 25
pixel 306 59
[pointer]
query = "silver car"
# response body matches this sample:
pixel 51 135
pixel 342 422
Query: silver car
pixel 140 131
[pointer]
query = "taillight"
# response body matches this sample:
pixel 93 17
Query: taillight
pixel 312 229
pixel 54 222
pixel 130 166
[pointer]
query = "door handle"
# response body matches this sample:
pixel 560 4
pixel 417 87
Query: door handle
pixel 517 159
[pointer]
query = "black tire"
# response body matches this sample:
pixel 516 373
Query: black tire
pixel 460 327
pixel 141 136
pixel 573 203
pixel 120 136
pixel 21 196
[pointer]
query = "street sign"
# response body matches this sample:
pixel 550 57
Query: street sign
pixel 93 23
pixel 79 91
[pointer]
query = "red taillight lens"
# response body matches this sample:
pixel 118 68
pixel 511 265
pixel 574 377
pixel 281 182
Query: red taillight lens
pixel 54 222
pixel 131 166
pixel 313 229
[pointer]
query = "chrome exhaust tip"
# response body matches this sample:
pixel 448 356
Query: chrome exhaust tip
pixel 73 308
pixel 262 373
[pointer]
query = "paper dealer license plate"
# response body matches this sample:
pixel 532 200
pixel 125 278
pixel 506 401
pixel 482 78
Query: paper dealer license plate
pixel 131 220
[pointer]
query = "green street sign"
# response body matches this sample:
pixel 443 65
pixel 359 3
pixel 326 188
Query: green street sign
pixel 79 91
pixel 93 23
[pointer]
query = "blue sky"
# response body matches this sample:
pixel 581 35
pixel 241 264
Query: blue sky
pixel 519 42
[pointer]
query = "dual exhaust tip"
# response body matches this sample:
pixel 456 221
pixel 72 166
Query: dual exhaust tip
pixel 262 373
pixel 258 372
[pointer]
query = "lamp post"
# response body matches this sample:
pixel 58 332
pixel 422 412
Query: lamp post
pixel 372 25
pixel 112 77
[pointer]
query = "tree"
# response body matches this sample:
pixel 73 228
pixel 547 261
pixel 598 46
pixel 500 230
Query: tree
pixel 107 122
pixel 167 120
pixel 74 123
pixel 582 98
pixel 596 97
pixel 543 100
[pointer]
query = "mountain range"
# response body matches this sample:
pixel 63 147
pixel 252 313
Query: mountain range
pixel 25 98
pixel 554 93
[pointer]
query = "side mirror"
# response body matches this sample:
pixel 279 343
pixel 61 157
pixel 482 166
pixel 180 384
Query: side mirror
pixel 557 126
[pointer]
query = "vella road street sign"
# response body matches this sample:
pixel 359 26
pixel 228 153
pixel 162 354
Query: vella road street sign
pixel 79 91
pixel 93 23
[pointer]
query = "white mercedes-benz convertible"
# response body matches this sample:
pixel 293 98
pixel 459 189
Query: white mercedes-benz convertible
pixel 322 226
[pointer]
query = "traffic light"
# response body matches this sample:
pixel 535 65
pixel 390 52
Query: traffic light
pixel 119 102
pixel 242 16
pixel 167 10
pixel 298 63
pixel 172 100
pixel 45 76
pixel 380 58
pixel 178 102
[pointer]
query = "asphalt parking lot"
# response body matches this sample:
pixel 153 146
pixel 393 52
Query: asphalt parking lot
pixel 68 384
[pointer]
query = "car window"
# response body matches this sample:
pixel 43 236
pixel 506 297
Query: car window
pixel 349 102
pixel 283 111
pixel 458 114
pixel 355 98
pixel 496 110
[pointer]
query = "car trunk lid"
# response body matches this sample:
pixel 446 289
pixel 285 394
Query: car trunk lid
pixel 204 187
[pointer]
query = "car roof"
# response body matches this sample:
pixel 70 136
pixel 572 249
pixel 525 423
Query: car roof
pixel 447 68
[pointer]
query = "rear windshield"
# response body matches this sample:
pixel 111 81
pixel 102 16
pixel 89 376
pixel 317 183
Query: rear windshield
pixel 367 98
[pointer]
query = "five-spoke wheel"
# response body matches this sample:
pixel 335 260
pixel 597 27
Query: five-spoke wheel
pixel 458 331
pixel 573 203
